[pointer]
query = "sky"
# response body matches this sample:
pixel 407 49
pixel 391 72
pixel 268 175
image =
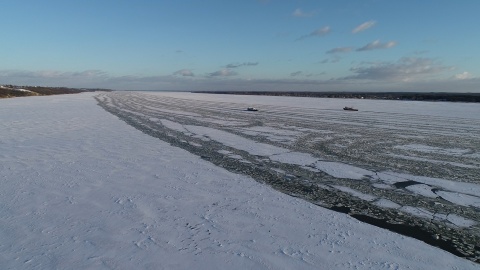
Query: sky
pixel 265 45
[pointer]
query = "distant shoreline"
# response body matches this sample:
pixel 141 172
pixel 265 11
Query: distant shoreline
pixel 418 96
pixel 10 91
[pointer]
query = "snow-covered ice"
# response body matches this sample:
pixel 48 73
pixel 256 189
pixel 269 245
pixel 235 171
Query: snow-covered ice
pixel 423 190
pixel 80 188
pixel 386 203
pixel 355 193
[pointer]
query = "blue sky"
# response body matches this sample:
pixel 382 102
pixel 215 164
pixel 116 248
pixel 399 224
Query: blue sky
pixel 289 45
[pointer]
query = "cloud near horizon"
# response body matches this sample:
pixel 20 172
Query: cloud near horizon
pixel 236 65
pixel 222 73
pixel 184 72
pixel 296 73
pixel 463 76
pixel 51 74
pixel 406 74
pixel 405 69
pixel 364 26
pixel 374 45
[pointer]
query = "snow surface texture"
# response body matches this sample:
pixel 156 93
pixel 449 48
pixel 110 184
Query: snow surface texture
pixel 81 189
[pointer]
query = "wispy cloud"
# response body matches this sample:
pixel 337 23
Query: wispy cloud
pixel 334 59
pixel 377 45
pixel 463 76
pixel 222 73
pixel 296 73
pixel 406 69
pixel 364 26
pixel 317 33
pixel 86 73
pixel 340 50
pixel 236 65
pixel 300 13
pixel 420 52
pixel 304 74
pixel 53 74
pixel 184 72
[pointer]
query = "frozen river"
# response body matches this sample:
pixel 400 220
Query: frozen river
pixel 411 167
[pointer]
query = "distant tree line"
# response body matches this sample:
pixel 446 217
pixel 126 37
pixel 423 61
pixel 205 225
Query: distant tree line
pixel 436 96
